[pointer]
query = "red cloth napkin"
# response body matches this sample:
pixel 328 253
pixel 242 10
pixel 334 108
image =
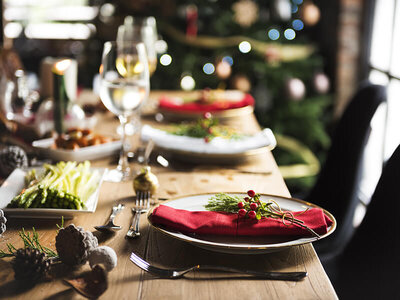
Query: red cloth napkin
pixel 219 223
pixel 173 105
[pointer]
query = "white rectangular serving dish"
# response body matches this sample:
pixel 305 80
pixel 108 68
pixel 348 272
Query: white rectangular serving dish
pixel 16 182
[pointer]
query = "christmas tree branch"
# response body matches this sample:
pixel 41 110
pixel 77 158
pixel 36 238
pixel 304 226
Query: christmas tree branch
pixel 287 52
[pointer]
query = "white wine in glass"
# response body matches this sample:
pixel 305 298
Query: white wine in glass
pixel 124 87
pixel 144 30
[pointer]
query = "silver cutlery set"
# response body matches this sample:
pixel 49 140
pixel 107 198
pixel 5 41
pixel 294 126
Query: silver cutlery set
pixel 142 205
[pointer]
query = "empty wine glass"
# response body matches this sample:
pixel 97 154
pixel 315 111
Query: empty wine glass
pixel 124 87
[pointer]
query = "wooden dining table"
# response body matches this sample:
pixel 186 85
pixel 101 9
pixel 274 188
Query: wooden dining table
pixel 259 173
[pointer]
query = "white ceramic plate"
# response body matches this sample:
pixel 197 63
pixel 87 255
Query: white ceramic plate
pixel 218 150
pixel 16 182
pixel 241 245
pixel 82 154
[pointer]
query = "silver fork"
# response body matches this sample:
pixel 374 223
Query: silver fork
pixel 110 226
pixel 142 205
pixel 171 273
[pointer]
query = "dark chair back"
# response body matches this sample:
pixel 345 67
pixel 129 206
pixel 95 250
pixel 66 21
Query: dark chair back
pixel 336 185
pixel 369 265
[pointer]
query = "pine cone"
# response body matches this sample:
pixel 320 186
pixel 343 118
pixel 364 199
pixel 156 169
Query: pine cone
pixel 12 157
pixel 3 221
pixel 30 264
pixel 73 244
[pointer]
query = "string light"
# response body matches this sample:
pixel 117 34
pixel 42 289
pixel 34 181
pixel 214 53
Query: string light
pixel 273 34
pixel 165 59
pixel 289 34
pixel 298 2
pixel 245 47
pixel 187 83
pixel 208 68
pixel 228 59
pixel 295 8
pixel 297 24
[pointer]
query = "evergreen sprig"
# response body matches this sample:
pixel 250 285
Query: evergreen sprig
pixel 30 241
pixel 223 202
pixel 207 128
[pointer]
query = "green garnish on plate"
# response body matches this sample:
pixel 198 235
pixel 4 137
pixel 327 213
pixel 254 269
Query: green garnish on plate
pixel 206 128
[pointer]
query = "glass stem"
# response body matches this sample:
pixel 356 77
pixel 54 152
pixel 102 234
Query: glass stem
pixel 123 164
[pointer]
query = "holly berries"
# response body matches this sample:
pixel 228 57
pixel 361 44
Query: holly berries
pixel 252 214
pixel 242 212
pixel 250 206
pixel 207 115
pixel 253 206
pixel 251 193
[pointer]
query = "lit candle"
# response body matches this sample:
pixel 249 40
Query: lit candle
pixel 61 95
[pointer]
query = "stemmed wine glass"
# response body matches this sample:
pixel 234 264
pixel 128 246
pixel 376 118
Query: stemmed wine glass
pixel 140 30
pixel 124 87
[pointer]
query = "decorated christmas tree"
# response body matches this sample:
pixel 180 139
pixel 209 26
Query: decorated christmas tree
pixel 260 47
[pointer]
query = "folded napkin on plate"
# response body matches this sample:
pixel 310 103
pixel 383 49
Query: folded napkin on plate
pixel 217 145
pixel 219 223
pixel 178 104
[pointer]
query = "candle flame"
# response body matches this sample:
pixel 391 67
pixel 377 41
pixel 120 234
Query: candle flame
pixel 60 66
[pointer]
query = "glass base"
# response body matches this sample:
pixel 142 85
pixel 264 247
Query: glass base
pixel 117 175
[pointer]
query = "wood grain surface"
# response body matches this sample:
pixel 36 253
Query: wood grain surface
pixel 127 281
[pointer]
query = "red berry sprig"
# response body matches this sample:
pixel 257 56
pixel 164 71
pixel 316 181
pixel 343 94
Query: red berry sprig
pixel 253 208
pixel 250 206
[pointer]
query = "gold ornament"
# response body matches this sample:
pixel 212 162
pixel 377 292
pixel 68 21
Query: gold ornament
pixel 146 181
pixel 246 12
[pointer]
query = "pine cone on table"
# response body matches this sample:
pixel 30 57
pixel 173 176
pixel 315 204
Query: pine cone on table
pixel 30 264
pixel 73 244
pixel 12 157
pixel 3 221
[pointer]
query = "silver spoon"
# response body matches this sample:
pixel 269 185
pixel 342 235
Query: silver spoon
pixel 110 226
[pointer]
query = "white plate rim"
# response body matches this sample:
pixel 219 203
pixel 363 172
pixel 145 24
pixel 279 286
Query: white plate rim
pixel 97 151
pixel 222 247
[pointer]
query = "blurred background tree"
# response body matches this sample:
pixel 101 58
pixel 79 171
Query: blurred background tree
pixel 266 48
pixel 261 47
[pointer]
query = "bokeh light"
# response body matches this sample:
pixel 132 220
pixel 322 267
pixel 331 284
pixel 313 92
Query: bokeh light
pixel 295 8
pixel 223 69
pixel 165 59
pixel 297 24
pixel 298 2
pixel 187 83
pixel 273 34
pixel 289 34
pixel 245 47
pixel 208 68
pixel 228 59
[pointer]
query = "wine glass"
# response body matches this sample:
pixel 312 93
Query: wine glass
pixel 124 87
pixel 135 30
pixel 141 30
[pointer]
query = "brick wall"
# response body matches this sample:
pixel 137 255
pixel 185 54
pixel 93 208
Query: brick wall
pixel 349 36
